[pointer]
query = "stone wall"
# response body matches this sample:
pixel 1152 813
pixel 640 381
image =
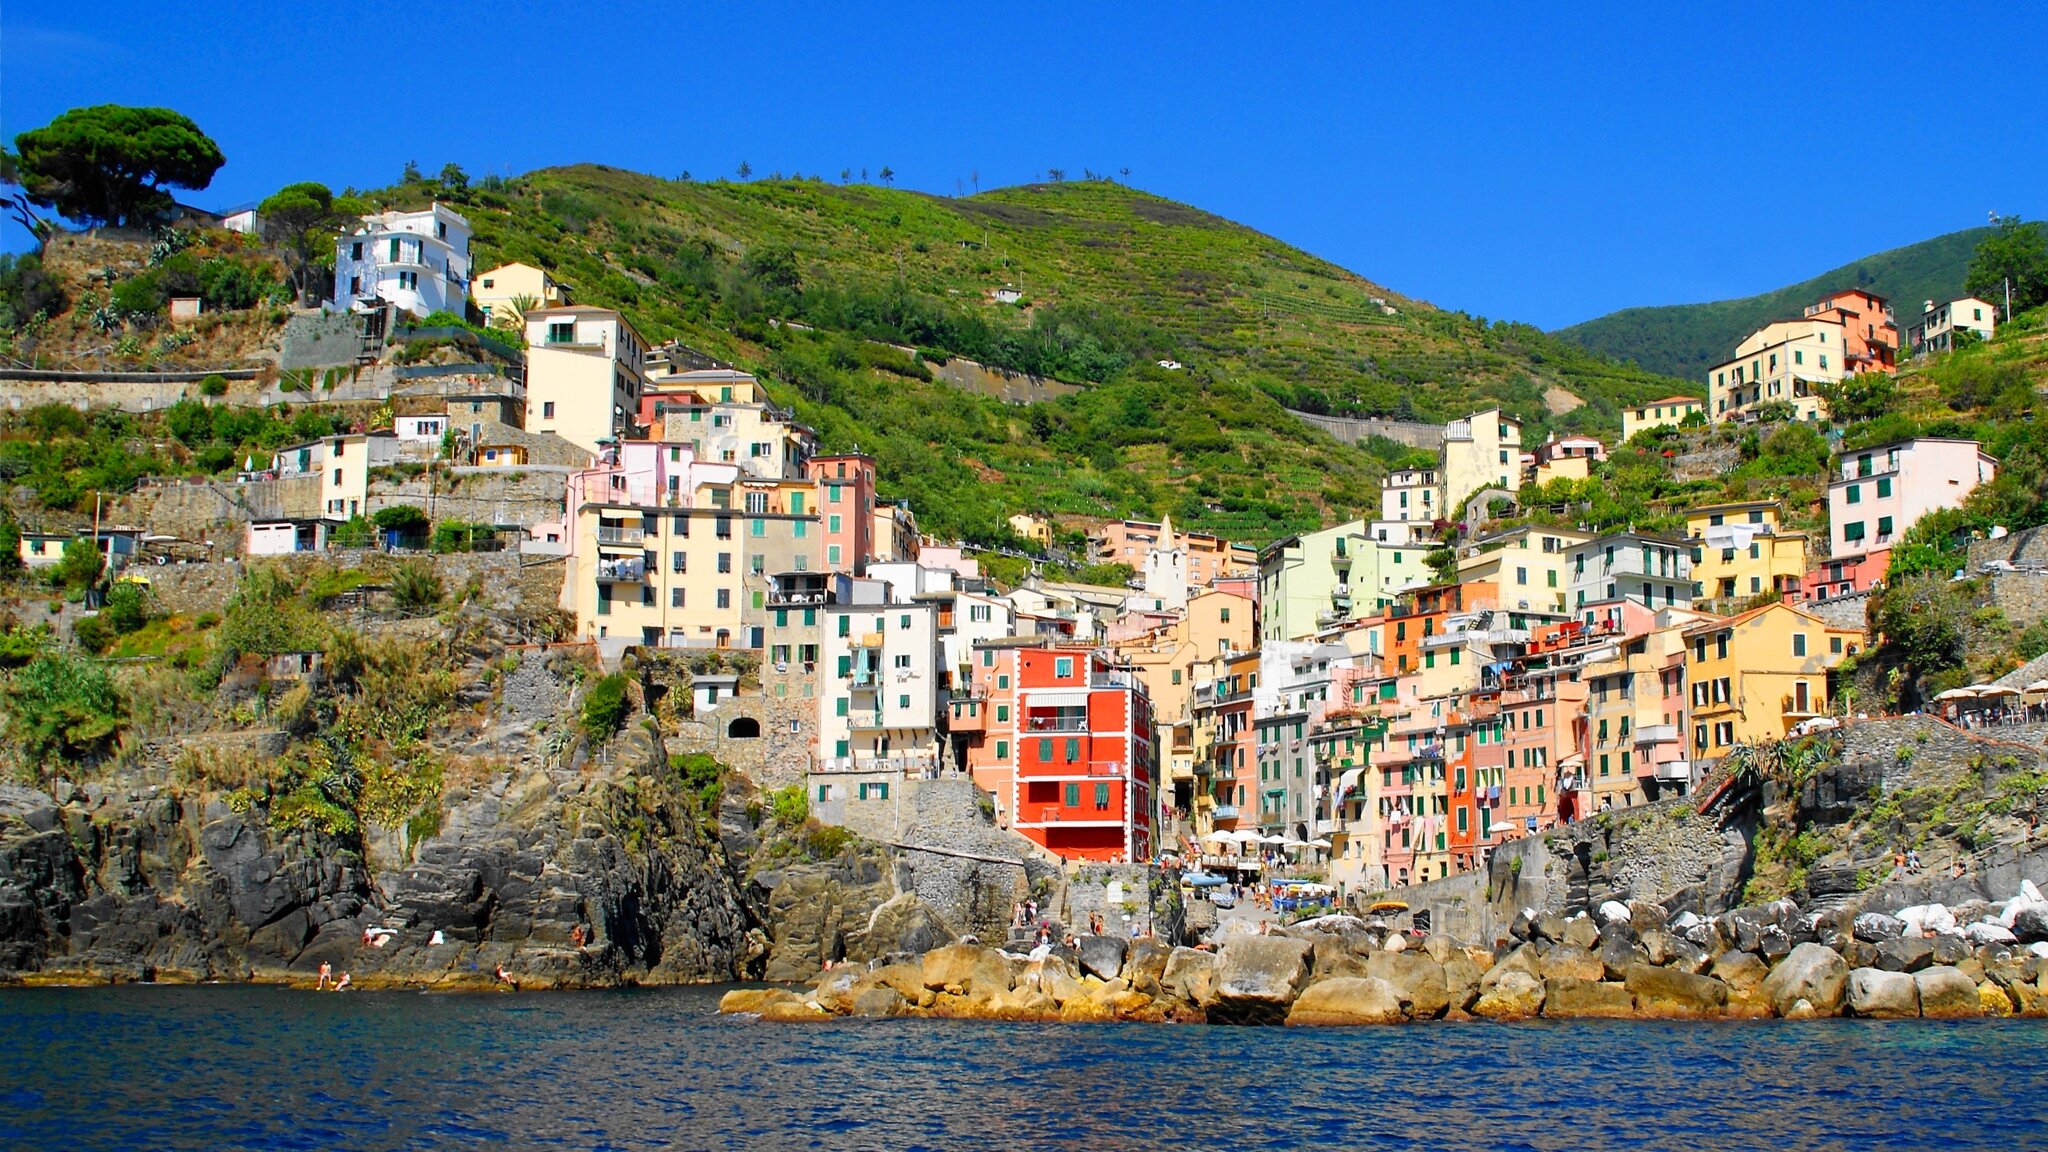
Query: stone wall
pixel 1000 383
pixel 1414 433
pixel 491 496
pixel 506 581
pixel 1145 897
pixel 2025 548
pixel 1842 611
pixel 954 858
pixel 2022 596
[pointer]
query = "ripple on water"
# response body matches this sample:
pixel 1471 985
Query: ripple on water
pixel 206 1068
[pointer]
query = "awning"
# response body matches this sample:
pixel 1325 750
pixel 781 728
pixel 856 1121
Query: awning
pixel 1056 699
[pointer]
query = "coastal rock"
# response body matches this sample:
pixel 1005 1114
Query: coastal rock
pixel 755 1000
pixel 793 1011
pixel 1876 927
pixel 1189 976
pixel 1257 977
pixel 2030 924
pixel 1347 1000
pixel 966 969
pixel 905 923
pixel 1995 1000
pixel 1950 949
pixel 1145 964
pixel 1741 971
pixel 1813 973
pixel 1340 955
pixel 1524 959
pixel 1515 995
pixel 1877 993
pixel 877 1002
pixel 1582 932
pixel 1461 983
pixel 1417 981
pixel 1617 952
pixel 1570 962
pixel 1910 954
pixel 1567 998
pixel 1549 926
pixel 1614 911
pixel 1947 993
pixel 1668 992
pixel 1103 956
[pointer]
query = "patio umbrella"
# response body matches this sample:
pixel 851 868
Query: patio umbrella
pixel 1224 836
pixel 1273 840
pixel 1319 842
pixel 1995 690
pixel 1958 694
pixel 2038 686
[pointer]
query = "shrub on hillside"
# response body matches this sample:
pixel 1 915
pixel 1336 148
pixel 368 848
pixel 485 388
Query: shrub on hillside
pixel 416 587
pixel 604 707
pixel 59 710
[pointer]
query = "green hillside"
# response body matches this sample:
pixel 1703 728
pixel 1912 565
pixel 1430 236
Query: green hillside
pixel 1113 279
pixel 1687 339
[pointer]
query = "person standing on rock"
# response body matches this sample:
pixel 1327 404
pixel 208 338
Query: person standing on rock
pixel 326 974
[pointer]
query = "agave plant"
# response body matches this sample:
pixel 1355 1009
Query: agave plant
pixel 105 320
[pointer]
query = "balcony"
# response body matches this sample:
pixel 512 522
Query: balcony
pixel 1801 707
pixel 1056 724
pixel 622 571
pixel 1677 770
pixel 865 640
pixel 866 722
pixel 1224 812
pixel 609 535
pixel 1657 734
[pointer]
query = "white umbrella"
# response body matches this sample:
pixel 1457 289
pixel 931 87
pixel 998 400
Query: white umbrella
pixel 1319 842
pixel 2038 686
pixel 1291 842
pixel 1274 840
pixel 1958 694
pixel 1995 690
pixel 1224 836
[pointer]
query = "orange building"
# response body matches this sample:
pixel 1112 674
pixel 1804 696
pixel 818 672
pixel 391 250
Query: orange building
pixel 1064 741
pixel 846 498
pixel 1870 336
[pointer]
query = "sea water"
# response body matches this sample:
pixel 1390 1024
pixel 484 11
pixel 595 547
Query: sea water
pixel 245 1068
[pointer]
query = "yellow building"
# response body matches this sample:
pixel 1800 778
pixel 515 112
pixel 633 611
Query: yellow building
pixel 664 550
pixel 1740 551
pixel 584 373
pixel 726 417
pixel 1036 529
pixel 1530 565
pixel 1669 412
pixel 501 292
pixel 1754 676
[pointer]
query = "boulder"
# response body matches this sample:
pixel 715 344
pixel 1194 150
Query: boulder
pixel 1950 949
pixel 1945 992
pixel 1516 995
pixel 755 1000
pixel 1525 960
pixel 1571 962
pixel 1617 952
pixel 1396 942
pixel 1740 971
pixel 1647 916
pixel 1877 993
pixel 1347 1000
pixel 1440 949
pixel 1567 998
pixel 1336 956
pixel 906 980
pixel 1145 964
pixel 2030 924
pixel 1189 976
pixel 1876 927
pixel 1582 931
pixel 1813 973
pixel 1927 918
pixel 1907 954
pixel 1614 911
pixel 877 1001
pixel 967 969
pixel 1549 926
pixel 1257 977
pixel 1657 946
pixel 1461 982
pixel 835 988
pixel 1417 981
pixel 1103 956
pixel 1689 957
pixel 1995 1000
pixel 1774 944
pixel 1669 992
pixel 1858 953
pixel 793 1011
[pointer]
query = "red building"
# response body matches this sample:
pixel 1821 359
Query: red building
pixel 846 505
pixel 1069 755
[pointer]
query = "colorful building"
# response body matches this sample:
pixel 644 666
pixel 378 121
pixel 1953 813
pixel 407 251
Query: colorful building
pixel 1669 412
pixel 1741 552
pixel 1882 491
pixel 1753 677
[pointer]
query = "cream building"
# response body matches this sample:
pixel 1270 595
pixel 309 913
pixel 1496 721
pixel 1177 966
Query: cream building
pixel 1669 412
pixel 1306 582
pixel 1781 362
pixel 1531 565
pixel 1484 450
pixel 727 417
pixel 1936 331
pixel 1882 491
pixel 1411 494
pixel 499 293
pixel 584 373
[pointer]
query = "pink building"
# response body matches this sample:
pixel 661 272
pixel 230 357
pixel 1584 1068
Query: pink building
pixel 1880 492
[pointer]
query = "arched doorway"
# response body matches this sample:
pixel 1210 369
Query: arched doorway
pixel 744 728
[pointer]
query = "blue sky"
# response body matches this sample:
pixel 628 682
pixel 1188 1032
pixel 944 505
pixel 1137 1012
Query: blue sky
pixel 1545 163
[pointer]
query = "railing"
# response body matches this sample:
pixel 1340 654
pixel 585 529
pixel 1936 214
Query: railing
pixel 1042 724
pixel 1224 812
pixel 1657 734
pixel 633 571
pixel 1796 707
pixel 621 535
pixel 798 599
pixel 1675 770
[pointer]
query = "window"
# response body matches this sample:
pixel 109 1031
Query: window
pixel 725 597
pixel 675 597
pixel 1073 795
pixel 547 409
pixel 1002 749
pixel 1835 645
pixel 1853 494
pixel 1884 486
pixel 1225 618
pixel 1102 797
pixel 1073 749
pixel 1045 749
pixel 1853 530
pixel 1884 527
pixel 840 706
pixel 903 701
pixel 1002 713
pixel 1799 643
pixel 1063 667
pixel 833 524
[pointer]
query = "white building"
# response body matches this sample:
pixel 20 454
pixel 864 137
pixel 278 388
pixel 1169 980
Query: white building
pixel 878 685
pixel 1649 570
pixel 1936 331
pixel 1884 490
pixel 418 261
